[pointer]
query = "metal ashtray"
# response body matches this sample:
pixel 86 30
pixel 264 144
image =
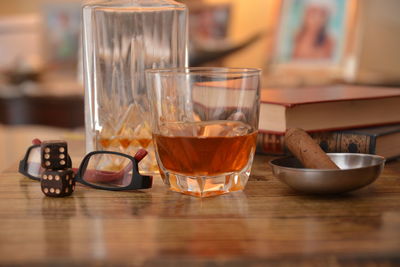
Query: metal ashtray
pixel 356 171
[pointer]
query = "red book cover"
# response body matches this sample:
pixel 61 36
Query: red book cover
pixel 328 108
pixel 290 97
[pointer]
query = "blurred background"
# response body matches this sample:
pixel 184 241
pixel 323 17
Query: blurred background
pixel 350 41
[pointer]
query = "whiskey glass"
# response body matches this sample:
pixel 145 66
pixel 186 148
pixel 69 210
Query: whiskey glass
pixel 204 127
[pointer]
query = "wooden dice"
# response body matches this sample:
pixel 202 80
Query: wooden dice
pixel 58 179
pixel 54 155
pixel 58 183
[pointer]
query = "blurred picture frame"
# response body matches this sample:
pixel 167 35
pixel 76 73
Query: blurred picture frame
pixel 312 32
pixel 209 23
pixel 313 41
pixel 62 22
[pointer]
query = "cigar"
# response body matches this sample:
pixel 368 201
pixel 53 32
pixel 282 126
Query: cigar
pixel 307 151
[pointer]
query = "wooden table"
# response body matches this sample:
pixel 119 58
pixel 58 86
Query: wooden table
pixel 267 224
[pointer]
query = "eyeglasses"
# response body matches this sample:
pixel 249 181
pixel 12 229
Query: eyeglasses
pixel 105 170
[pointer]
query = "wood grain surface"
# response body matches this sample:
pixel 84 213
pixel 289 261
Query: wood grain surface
pixel 268 224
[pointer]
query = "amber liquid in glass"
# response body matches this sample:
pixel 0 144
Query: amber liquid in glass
pixel 205 148
pixel 124 142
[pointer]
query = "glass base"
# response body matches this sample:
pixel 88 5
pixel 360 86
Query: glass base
pixel 206 186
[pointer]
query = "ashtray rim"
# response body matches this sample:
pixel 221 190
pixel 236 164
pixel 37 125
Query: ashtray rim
pixel 381 159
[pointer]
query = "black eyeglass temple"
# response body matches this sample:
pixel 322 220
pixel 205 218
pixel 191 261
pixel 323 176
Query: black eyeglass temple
pixel 147 182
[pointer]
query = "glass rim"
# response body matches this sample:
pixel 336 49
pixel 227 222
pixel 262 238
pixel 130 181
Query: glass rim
pixel 213 71
pixel 127 4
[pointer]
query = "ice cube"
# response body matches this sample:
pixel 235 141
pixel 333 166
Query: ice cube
pixel 225 128
pixel 205 129
pixel 178 129
pixel 239 129
pixel 214 129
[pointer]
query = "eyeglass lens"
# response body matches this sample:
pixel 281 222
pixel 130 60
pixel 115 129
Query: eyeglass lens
pixel 108 170
pixel 34 167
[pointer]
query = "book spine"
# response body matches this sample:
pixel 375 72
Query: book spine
pixel 340 142
pixel 271 144
pixel 330 142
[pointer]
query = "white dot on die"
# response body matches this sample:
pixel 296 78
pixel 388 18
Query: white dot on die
pixel 46 156
pixel 50 177
pixel 47 150
pixel 47 163
pixel 70 181
pixel 62 162
pixel 61 149
pixel 67 177
pixel 58 191
pixel 62 156
pixel 57 177
pixel 44 177
pixel 66 190
pixel 46 190
pixel 51 190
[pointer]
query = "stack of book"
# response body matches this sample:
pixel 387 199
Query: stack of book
pixel 355 119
